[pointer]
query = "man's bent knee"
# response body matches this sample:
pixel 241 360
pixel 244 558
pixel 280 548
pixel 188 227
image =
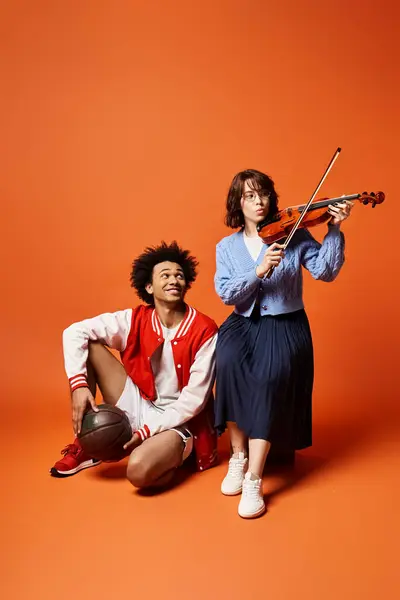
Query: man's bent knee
pixel 138 473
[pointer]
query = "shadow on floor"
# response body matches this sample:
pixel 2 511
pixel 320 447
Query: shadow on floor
pixel 336 439
pixel 117 471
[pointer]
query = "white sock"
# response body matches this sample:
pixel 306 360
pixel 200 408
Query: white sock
pixel 240 455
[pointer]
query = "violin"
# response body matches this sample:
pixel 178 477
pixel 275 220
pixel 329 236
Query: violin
pixel 287 221
pixel 279 225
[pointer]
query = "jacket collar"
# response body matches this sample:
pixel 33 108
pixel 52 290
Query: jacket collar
pixel 184 326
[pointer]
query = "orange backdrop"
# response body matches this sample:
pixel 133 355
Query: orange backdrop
pixel 122 124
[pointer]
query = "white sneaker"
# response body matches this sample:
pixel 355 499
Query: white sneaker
pixel 252 501
pixel 232 483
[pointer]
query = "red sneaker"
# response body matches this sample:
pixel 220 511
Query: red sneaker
pixel 73 461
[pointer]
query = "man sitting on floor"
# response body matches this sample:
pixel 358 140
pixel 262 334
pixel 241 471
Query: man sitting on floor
pixel 165 381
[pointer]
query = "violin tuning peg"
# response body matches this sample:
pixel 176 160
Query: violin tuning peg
pixel 365 202
pixel 373 204
pixel 364 194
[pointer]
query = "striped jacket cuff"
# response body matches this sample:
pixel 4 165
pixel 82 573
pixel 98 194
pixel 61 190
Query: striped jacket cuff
pixel 143 432
pixel 78 381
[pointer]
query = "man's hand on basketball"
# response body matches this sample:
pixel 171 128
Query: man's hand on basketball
pixel 133 443
pixel 81 399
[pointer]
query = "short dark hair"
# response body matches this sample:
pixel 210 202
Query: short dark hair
pixel 143 265
pixel 260 182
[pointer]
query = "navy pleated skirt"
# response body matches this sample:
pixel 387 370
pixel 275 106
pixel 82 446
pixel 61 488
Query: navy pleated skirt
pixel 264 378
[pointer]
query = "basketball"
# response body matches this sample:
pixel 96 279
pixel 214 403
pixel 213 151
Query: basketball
pixel 104 433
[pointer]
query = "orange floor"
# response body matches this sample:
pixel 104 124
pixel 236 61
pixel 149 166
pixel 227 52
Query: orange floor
pixel 331 530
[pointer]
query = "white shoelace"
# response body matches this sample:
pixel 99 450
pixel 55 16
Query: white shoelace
pixel 251 488
pixel 236 466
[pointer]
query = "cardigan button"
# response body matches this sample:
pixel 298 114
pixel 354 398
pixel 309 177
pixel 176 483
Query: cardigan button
pixel 175 343
pixel 159 340
pixel 179 366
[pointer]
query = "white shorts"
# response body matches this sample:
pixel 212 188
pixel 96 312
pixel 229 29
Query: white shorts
pixel 138 409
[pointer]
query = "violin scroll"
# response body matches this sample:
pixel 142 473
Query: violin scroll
pixel 373 198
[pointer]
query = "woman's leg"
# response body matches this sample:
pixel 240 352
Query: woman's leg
pixel 238 440
pixel 258 452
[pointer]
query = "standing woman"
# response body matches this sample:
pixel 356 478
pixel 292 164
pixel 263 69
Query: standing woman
pixel 264 356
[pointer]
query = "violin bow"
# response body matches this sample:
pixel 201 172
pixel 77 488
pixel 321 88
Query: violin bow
pixel 303 214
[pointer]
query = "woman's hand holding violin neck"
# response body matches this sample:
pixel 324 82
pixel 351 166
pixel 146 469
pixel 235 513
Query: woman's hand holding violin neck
pixel 339 212
pixel 272 258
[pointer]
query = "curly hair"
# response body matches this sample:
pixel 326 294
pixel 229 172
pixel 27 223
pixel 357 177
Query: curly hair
pixel 260 182
pixel 143 265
